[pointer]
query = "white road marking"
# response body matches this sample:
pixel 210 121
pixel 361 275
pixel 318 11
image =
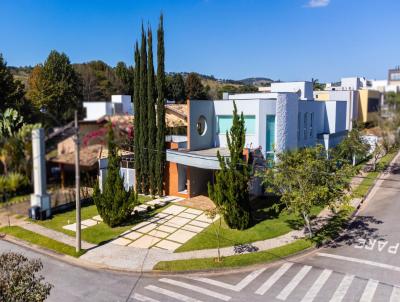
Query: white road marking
pixel 369 291
pixel 395 296
pixel 272 280
pixel 293 283
pixel 238 287
pixel 171 294
pixel 249 278
pixel 141 298
pixel 368 262
pixel 342 289
pixel 316 287
pixel 198 289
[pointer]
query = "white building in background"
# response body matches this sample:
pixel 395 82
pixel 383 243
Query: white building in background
pixel 119 105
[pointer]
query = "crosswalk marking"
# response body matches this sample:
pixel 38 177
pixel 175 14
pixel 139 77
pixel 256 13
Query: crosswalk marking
pixel 142 298
pixel 238 287
pixel 250 277
pixel 316 287
pixel 196 289
pixel 171 294
pixel 293 283
pixel 342 289
pixel 369 290
pixel 395 296
pixel 272 280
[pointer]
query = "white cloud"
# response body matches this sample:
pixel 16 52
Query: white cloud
pixel 318 3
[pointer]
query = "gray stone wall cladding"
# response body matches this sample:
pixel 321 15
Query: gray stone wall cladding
pixel 286 122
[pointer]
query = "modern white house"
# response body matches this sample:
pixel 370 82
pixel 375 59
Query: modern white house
pixel 120 104
pixel 274 122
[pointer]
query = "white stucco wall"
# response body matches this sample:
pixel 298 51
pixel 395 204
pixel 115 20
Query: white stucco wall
pixel 306 88
pixel 309 107
pixel 351 97
pixel 126 101
pixel 95 110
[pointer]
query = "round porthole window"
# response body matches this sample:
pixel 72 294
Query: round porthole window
pixel 201 125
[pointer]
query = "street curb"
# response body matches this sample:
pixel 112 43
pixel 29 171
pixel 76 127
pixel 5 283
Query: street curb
pixel 62 257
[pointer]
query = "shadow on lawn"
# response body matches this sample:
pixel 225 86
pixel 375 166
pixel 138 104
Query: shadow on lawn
pixel 262 208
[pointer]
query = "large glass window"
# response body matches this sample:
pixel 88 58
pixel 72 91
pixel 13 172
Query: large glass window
pixel 373 105
pixel 311 124
pixel 250 124
pixel 270 133
pixel 395 76
pixel 305 125
pixel 225 123
pixel 298 125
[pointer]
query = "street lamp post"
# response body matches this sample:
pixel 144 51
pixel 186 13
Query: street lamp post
pixel 77 186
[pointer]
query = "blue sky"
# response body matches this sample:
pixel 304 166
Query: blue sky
pixel 281 39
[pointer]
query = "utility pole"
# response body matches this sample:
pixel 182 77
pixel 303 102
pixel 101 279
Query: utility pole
pixel 77 184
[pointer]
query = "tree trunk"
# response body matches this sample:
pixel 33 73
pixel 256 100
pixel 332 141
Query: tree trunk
pixel 354 159
pixel 308 224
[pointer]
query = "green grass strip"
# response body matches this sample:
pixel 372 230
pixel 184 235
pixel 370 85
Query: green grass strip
pixel 362 189
pixel 40 240
pixel 237 260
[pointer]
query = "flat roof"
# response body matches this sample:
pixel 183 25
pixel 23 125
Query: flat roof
pixel 212 152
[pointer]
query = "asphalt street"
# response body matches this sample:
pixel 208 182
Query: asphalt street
pixel 363 265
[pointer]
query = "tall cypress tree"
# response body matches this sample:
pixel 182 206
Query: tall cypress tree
pixel 231 188
pixel 136 122
pixel 160 155
pixel 143 115
pixel 151 115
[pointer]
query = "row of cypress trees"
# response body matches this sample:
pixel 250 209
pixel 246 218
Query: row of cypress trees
pixel 149 121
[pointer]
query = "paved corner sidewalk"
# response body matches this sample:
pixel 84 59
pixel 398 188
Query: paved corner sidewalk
pixel 58 236
pixel 36 228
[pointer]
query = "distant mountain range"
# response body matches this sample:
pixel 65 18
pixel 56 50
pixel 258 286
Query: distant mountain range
pixel 258 81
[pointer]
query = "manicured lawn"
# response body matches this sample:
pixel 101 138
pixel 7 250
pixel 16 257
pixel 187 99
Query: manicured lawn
pixel 370 178
pixel 270 224
pixel 330 231
pixel 237 260
pixel 40 240
pixel 94 234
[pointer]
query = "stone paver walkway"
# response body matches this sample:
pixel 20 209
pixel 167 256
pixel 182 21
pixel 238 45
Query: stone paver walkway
pixel 167 230
pixel 160 202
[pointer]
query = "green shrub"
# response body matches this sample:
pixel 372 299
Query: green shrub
pixel 114 204
pixel 13 184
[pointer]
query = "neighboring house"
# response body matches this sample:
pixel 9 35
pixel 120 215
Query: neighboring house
pixel 176 122
pixel 394 77
pixel 274 122
pixel 363 102
pixel 119 105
